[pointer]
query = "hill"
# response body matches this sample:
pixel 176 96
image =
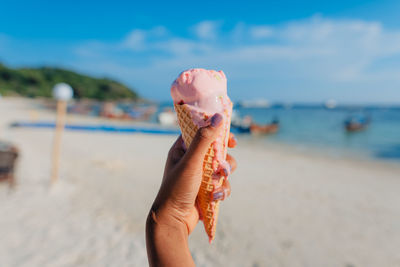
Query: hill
pixel 38 82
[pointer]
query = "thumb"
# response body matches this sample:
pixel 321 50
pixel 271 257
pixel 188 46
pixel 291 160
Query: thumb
pixel 203 139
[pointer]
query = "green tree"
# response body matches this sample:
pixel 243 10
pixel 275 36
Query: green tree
pixel 38 82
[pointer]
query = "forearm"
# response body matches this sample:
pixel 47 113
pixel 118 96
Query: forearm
pixel 167 242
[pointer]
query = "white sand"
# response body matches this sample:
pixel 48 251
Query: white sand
pixel 286 209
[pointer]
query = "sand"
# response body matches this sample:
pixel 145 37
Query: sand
pixel 287 208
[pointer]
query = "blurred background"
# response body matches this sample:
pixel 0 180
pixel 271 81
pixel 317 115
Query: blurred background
pixel 316 92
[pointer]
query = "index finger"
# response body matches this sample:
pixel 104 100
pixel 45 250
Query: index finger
pixel 175 153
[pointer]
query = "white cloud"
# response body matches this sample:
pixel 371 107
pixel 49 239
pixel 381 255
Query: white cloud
pixel 158 31
pixel 306 58
pixel 206 30
pixel 261 32
pixel 181 47
pixel 135 40
pixel 311 59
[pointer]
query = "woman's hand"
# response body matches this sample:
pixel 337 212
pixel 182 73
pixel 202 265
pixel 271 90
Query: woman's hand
pixel 174 214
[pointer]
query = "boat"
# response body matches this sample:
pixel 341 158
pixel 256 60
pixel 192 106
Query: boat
pixel 330 104
pixel 356 124
pixel 258 103
pixel 112 110
pixel 246 125
pixel 167 117
pixel 271 128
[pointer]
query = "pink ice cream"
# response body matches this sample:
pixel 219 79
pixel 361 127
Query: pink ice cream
pixel 205 91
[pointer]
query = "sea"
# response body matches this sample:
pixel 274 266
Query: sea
pixel 317 127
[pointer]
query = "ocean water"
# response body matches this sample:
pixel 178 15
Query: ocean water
pixel 316 126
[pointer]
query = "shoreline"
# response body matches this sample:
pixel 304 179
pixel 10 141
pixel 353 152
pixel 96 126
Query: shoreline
pixel 45 115
pixel 317 149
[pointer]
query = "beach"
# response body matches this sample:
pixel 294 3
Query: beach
pixel 288 207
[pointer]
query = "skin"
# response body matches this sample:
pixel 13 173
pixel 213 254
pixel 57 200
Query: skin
pixel 174 214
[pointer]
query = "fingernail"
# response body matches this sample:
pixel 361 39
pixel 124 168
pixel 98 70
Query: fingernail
pixel 227 170
pixel 218 195
pixel 216 120
pixel 221 194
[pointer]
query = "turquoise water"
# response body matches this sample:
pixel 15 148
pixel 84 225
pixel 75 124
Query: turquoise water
pixel 321 127
pixel 314 126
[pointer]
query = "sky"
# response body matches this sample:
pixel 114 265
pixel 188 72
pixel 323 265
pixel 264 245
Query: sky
pixel 281 51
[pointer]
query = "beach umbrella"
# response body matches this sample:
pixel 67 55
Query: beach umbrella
pixel 62 92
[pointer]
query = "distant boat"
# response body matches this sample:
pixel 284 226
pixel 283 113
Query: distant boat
pixel 356 124
pixel 111 110
pixel 264 129
pixel 330 104
pixel 258 103
pixel 246 125
pixel 167 117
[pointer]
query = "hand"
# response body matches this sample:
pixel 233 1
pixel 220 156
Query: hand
pixel 183 175
pixel 174 209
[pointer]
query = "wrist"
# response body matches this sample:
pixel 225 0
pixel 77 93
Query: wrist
pixel 169 215
pixel 163 220
pixel 166 240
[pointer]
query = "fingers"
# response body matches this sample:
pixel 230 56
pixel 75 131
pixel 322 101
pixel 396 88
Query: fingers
pixel 226 169
pixel 222 192
pixel 225 190
pixel 202 141
pixel 175 153
pixel 232 162
pixel 232 141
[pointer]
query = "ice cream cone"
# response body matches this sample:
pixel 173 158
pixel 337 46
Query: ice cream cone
pixel 208 208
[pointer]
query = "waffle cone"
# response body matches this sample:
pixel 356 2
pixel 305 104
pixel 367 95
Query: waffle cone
pixel 208 208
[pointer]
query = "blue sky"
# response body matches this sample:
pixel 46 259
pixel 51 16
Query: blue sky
pixel 302 51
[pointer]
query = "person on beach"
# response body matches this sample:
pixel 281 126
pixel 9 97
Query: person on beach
pixel 174 215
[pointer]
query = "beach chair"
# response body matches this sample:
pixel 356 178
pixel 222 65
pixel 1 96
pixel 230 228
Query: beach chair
pixel 8 157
